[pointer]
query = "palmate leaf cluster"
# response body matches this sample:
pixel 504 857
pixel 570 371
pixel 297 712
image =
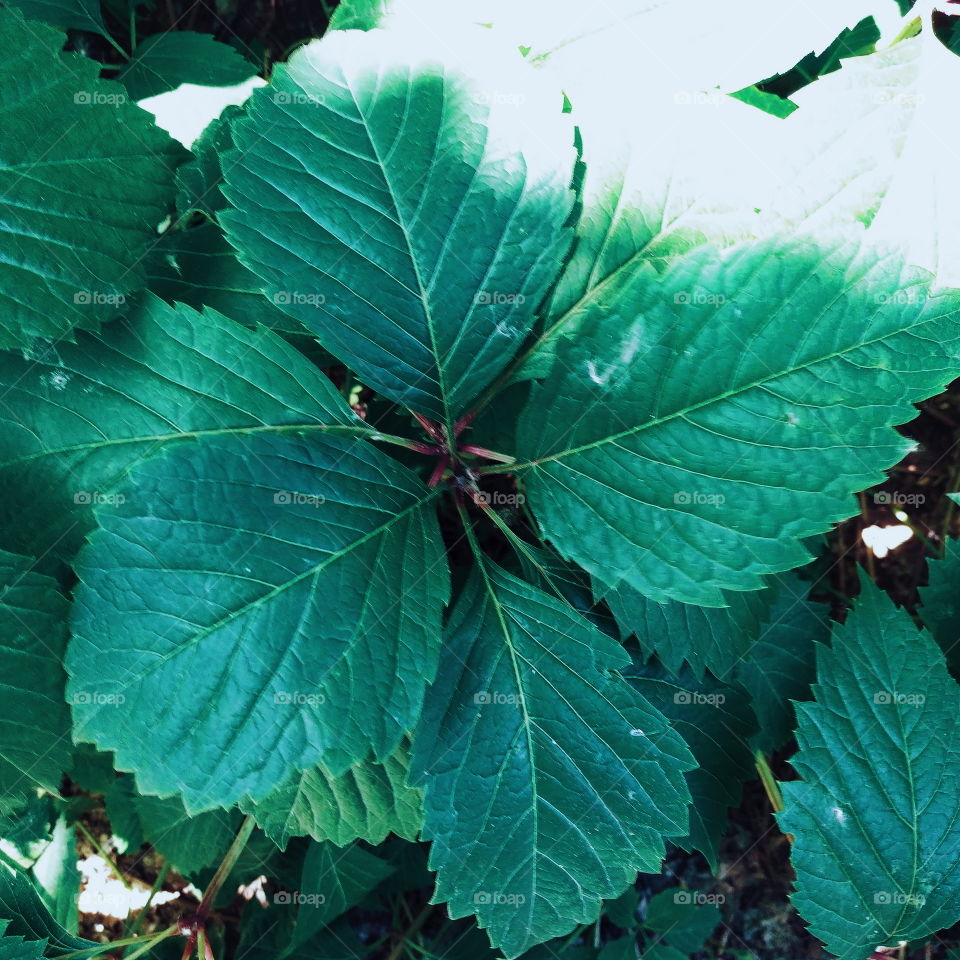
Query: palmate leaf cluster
pixel 232 583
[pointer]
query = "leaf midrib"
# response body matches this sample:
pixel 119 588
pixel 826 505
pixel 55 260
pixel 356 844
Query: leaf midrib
pixel 720 398
pixel 187 434
pixel 200 635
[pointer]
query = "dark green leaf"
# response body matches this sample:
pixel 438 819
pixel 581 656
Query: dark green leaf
pixel 85 180
pixel 165 60
pixel 401 212
pixel 549 781
pixel 285 595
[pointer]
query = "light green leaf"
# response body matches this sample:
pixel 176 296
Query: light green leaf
pixel 35 745
pixel 366 802
pixel 268 590
pixel 165 60
pixel 874 820
pixel 58 878
pixel 85 180
pixel 780 666
pixel 188 843
pixel 68 14
pixel 77 417
pixel 683 445
pixel 716 722
pixel 549 781
pixel 404 213
pixel 707 638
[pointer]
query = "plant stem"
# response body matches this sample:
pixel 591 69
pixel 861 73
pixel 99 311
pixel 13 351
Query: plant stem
pixel 134 928
pixel 114 869
pixel 228 863
pixel 148 943
pixel 100 948
pixel 411 931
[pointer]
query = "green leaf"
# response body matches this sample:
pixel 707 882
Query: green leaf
pixel 366 802
pixel 874 820
pixel 85 180
pixel 416 250
pixel 281 591
pixel 22 908
pixel 707 638
pixel 165 60
pixel 188 843
pixel 68 14
pixel 77 417
pixel 198 267
pixel 120 806
pixel 940 603
pixel 199 180
pixel 685 918
pixel 623 949
pixel 781 665
pixel 16 948
pixel 25 831
pixel 358 14
pixel 684 446
pixel 645 201
pixel 265 936
pixel 549 781
pixel 768 102
pixel 333 881
pixel 35 745
pixel 716 722
pixel 58 878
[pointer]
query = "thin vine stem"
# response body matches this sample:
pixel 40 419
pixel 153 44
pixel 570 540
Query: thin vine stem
pixel 226 865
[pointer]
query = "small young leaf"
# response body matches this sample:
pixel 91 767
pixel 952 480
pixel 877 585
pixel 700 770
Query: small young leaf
pixel 165 60
pixel 874 819
pixel 549 781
